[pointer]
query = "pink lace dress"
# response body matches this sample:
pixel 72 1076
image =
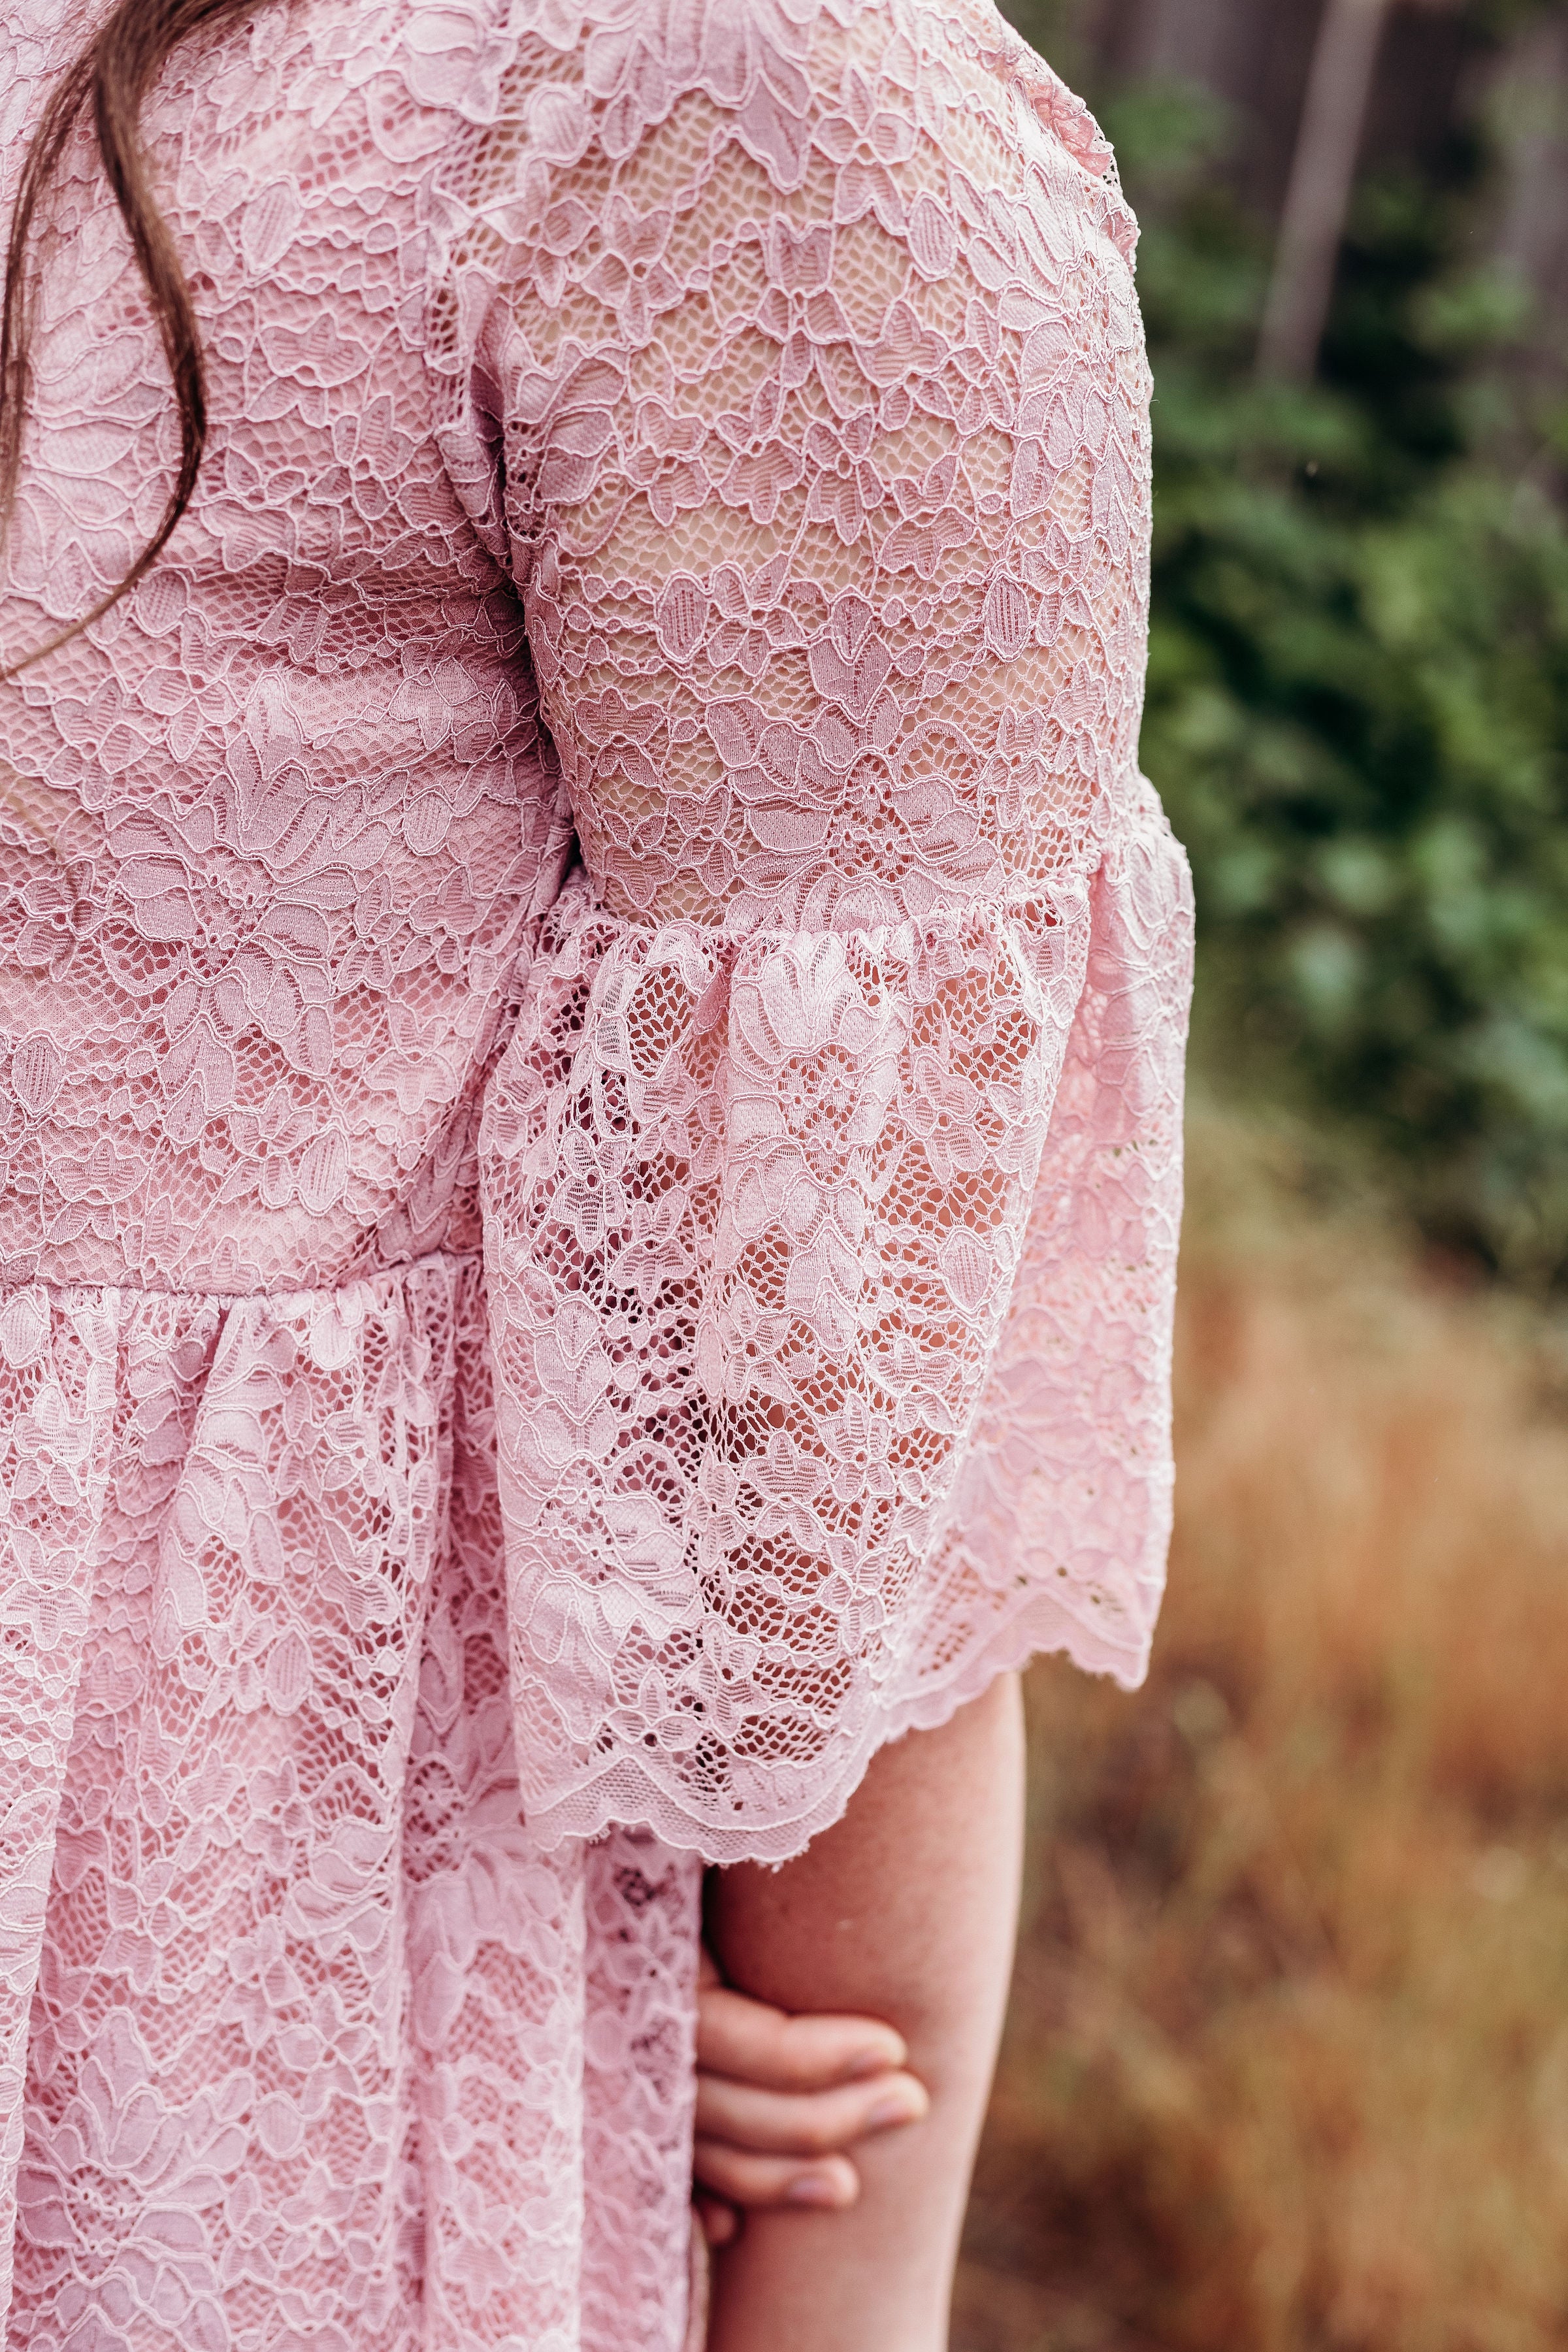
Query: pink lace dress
pixel 591 1020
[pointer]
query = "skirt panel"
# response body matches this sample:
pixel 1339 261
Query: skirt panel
pixel 309 2043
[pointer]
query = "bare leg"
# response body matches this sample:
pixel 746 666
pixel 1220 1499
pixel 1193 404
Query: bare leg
pixel 905 1910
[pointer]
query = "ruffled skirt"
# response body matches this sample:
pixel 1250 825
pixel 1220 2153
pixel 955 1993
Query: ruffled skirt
pixel 303 2039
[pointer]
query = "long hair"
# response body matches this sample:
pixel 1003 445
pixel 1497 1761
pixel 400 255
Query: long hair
pixel 109 81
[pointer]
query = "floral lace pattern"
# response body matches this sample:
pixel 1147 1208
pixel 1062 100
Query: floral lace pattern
pixel 627 771
pixel 316 2035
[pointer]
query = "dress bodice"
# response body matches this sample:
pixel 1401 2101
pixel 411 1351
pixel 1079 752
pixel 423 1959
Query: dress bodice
pixel 270 833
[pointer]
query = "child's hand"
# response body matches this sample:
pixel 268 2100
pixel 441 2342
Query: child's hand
pixel 781 2098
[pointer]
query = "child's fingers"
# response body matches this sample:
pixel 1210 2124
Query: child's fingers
pixel 830 2184
pixel 720 2221
pixel 808 2123
pixel 750 2043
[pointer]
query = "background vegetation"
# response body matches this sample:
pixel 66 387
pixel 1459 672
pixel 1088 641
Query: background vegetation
pixel 1287 2066
pixel 1359 693
pixel 1358 708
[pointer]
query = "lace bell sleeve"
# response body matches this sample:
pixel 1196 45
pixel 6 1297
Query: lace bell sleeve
pixel 830 1175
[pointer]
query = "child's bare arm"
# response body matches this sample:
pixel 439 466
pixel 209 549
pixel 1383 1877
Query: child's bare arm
pixel 905 1910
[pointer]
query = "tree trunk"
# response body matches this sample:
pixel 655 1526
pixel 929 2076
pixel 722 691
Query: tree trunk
pixel 1322 173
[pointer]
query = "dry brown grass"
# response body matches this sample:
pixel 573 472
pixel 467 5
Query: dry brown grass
pixel 1289 2062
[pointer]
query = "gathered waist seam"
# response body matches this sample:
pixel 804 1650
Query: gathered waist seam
pixel 398 1272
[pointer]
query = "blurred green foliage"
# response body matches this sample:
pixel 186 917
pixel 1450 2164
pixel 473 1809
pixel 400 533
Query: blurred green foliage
pixel 1358 700
pixel 1358 694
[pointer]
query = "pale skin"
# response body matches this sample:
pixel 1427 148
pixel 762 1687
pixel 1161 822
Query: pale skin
pixel 886 1947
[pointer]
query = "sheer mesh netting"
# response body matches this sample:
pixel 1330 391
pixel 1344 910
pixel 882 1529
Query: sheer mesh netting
pixel 592 1006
